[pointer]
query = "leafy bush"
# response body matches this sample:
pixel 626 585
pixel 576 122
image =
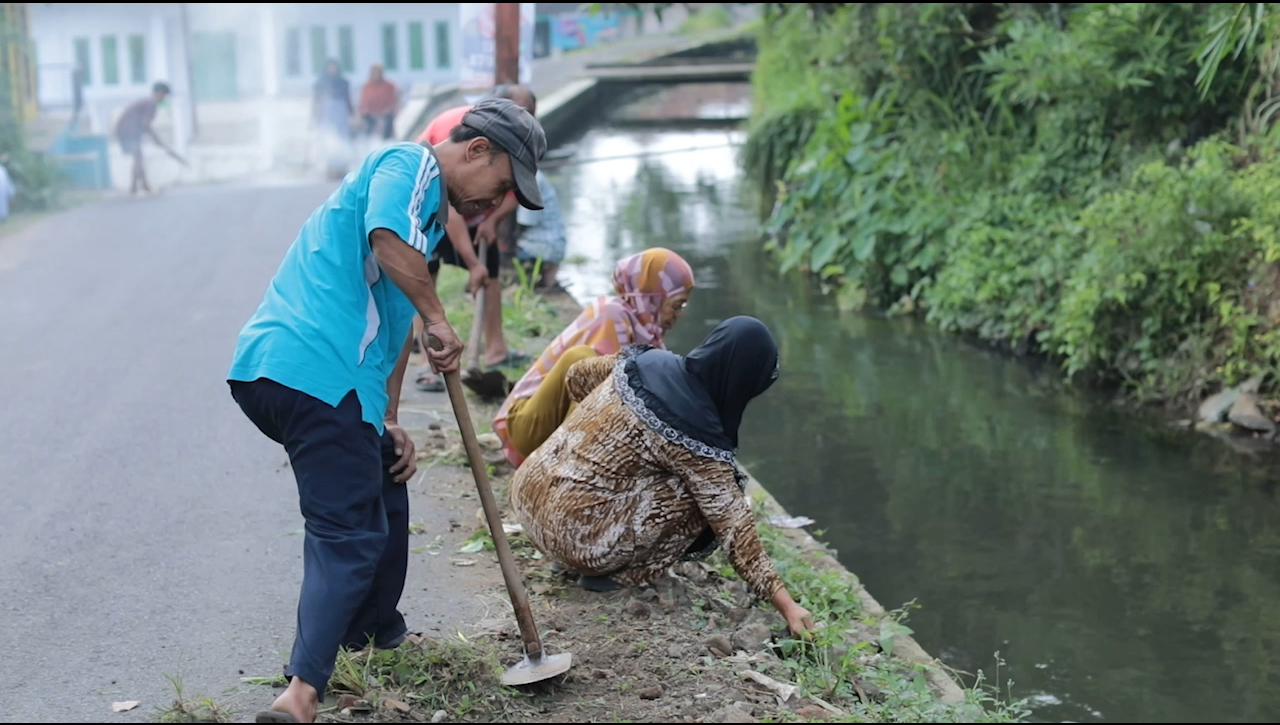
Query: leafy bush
pixel 1014 172
pixel 39 182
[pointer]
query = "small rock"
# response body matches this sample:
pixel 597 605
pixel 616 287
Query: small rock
pixel 638 609
pixel 632 651
pixel 600 674
pixel 812 712
pixel 433 426
pixel 1246 414
pixel 692 571
pixel 651 692
pixel 867 692
pixel 675 651
pixel 719 645
pixel 1215 407
pixel 439 716
pixel 395 705
pixel 346 701
pixel 732 713
pixel 649 594
pixel 712 622
pixel 738 615
pixel 752 638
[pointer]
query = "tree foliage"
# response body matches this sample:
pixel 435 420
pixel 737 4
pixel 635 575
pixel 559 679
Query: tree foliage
pixel 1016 171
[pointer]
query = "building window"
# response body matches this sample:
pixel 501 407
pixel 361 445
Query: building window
pixel 293 52
pixel 417 51
pixel 319 49
pixel 390 53
pixel 443 54
pixel 137 59
pixel 347 48
pixel 82 58
pixel 110 61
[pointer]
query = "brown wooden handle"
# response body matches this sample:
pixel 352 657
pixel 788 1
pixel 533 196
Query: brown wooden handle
pixel 515 588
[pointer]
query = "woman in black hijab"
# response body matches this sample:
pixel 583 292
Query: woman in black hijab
pixel 643 473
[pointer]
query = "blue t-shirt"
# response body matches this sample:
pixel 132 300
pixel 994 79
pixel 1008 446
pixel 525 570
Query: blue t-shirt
pixel 331 321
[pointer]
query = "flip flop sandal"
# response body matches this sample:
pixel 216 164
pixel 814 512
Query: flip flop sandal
pixel 274 716
pixel 429 382
pixel 514 359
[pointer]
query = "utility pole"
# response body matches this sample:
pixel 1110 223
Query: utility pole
pixel 185 23
pixel 506 36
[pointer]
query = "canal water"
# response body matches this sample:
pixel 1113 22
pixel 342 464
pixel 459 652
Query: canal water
pixel 1124 571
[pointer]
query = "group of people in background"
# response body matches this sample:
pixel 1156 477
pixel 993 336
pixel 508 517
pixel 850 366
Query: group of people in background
pixel 373 117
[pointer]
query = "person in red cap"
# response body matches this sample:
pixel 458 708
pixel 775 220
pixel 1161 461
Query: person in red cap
pixel 465 233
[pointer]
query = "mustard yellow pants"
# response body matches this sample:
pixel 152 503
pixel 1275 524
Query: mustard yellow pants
pixel 531 421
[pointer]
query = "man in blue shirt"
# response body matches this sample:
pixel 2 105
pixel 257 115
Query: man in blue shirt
pixel 319 367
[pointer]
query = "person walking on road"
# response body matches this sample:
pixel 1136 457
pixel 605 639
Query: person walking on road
pixel 135 123
pixel 319 368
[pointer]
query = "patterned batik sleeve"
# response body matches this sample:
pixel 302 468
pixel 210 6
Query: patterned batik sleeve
pixel 714 486
pixel 586 375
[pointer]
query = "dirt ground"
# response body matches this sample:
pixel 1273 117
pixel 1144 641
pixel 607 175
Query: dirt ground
pixel 676 652
pixel 696 647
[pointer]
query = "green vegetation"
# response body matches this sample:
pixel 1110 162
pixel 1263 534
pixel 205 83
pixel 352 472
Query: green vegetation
pixel 38 182
pixel 1094 182
pixel 841 664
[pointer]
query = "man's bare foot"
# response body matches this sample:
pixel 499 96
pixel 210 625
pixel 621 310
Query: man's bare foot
pixel 299 701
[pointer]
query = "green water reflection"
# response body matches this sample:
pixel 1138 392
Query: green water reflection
pixel 1125 571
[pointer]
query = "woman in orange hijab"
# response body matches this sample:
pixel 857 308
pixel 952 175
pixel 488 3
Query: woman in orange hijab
pixel 651 291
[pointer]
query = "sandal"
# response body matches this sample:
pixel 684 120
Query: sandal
pixel 429 382
pixel 514 359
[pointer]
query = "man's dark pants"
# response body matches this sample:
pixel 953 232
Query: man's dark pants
pixel 356 551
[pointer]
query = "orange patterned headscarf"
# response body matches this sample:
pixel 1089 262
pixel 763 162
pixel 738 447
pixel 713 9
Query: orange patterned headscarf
pixel 641 283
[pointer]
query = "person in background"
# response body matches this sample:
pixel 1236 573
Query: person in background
pixel 331 101
pixel 77 99
pixel 135 123
pixel 465 234
pixel 651 290
pixel 379 103
pixel 644 474
pixel 7 189
pixel 541 237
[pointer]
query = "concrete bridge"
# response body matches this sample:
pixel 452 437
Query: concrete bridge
pixel 710 71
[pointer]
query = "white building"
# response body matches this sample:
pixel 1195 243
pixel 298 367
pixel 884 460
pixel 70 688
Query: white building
pixel 237 50
pixel 231 65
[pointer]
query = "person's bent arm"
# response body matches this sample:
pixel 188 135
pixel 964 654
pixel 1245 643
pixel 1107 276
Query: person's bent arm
pixel 395 383
pixel 714 487
pixel 460 238
pixel 407 269
pixel 488 229
pixel 405 191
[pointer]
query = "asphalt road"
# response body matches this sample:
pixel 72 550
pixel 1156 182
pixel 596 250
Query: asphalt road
pixel 147 529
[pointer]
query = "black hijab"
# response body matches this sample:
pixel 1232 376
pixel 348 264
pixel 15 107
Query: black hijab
pixel 705 393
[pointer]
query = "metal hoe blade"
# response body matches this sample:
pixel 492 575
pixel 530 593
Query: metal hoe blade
pixel 537 669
